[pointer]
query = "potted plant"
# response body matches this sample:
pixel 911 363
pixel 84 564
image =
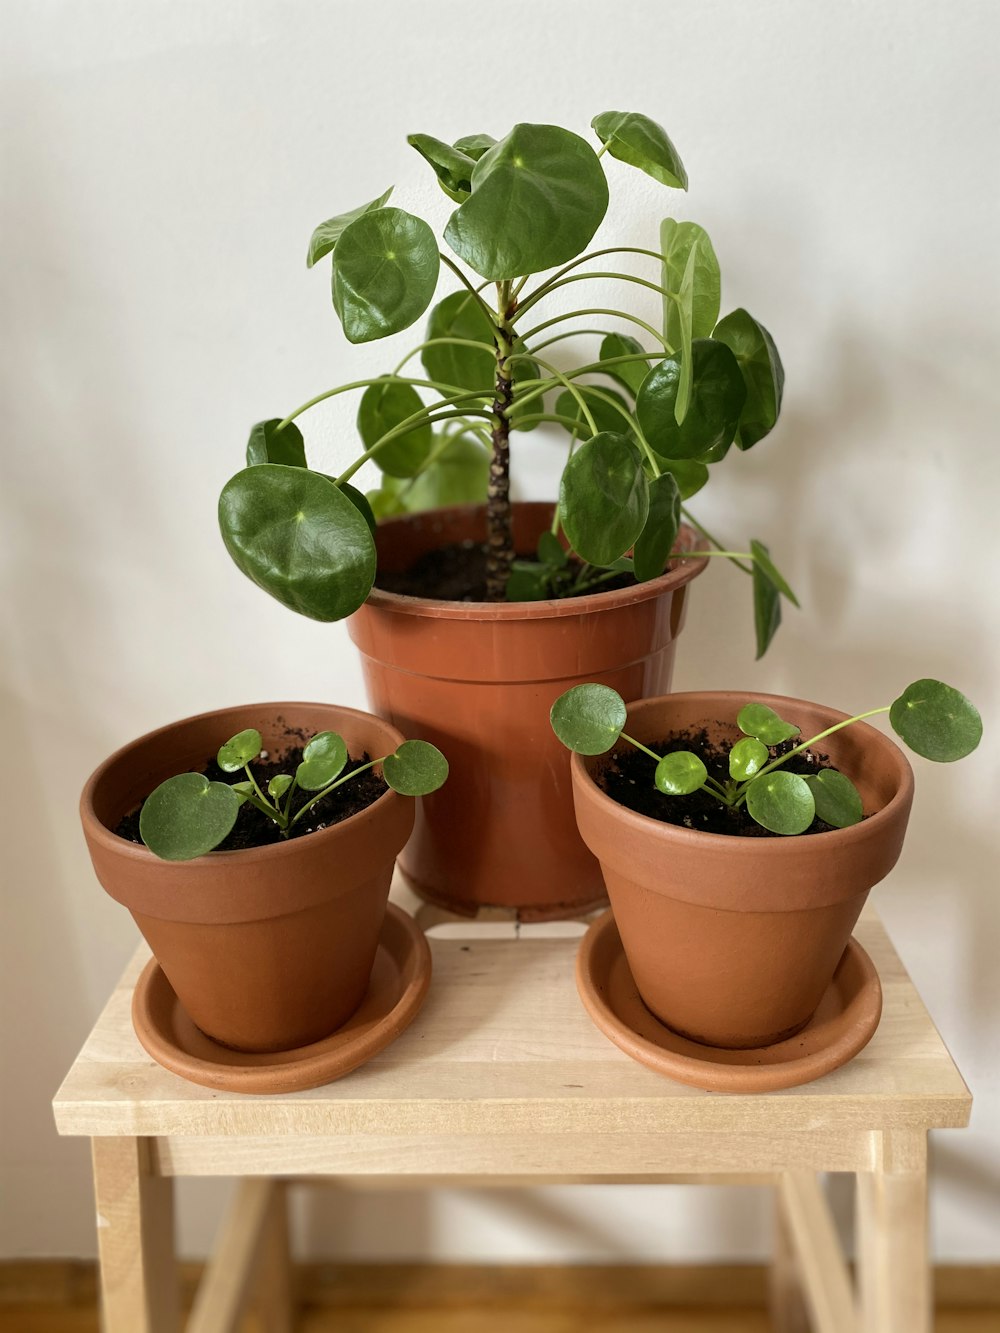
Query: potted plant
pixel 472 618
pixel 269 942
pixel 738 856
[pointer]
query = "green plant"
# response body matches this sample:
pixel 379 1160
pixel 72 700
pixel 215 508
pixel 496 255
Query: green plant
pixel 647 419
pixel 188 815
pixel 933 719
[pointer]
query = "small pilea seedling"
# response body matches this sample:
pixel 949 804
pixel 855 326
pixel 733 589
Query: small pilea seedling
pixel 188 815
pixel 933 719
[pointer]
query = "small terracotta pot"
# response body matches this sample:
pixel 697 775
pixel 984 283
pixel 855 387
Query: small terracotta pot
pixel 268 948
pixel 478 679
pixel 732 941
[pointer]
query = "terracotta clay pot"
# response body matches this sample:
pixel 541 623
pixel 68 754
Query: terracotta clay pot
pixel 267 948
pixel 732 941
pixel 478 679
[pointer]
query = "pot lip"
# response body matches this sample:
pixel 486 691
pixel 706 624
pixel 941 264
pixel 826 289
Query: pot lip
pixel 100 834
pixel 695 840
pixel 682 570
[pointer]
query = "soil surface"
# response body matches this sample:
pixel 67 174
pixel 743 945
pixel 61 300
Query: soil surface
pixel 254 829
pixel 628 779
pixel 457 573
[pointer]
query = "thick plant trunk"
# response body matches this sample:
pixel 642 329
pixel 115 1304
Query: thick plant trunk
pixel 499 537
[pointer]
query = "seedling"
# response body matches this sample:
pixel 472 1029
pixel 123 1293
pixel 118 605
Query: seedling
pixel 933 719
pixel 188 815
pixel 646 418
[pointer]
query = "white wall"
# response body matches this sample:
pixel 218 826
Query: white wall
pixel 164 166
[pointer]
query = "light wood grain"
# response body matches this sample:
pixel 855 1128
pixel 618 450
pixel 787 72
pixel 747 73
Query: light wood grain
pixel 826 1282
pixel 893 1272
pixel 235 1268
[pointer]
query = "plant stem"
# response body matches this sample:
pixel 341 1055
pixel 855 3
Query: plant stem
pixel 586 277
pixel 333 785
pixel 599 310
pixel 560 378
pixel 490 314
pixel 366 384
pixel 720 548
pixel 265 803
pixel 499 515
pixel 777 763
pixel 404 427
pixel 639 746
pixel 596 254
pixel 441 342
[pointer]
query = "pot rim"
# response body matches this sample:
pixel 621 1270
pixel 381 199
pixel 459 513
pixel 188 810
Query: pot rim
pixel 694 839
pixel 683 569
pixel 123 847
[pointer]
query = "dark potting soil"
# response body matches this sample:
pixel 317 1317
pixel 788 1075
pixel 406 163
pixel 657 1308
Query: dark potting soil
pixel 254 829
pixel 457 573
pixel 628 779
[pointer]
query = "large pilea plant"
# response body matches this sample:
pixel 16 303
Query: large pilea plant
pixel 646 420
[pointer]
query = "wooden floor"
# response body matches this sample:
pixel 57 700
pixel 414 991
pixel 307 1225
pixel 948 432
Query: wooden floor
pixel 60 1297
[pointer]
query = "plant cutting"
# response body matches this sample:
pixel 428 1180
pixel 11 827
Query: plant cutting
pixel 935 720
pixel 733 938
pixel 479 593
pixel 188 815
pixel 269 947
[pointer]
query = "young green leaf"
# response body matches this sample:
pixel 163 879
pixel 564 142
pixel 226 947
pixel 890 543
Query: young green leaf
pixel 384 273
pixel 416 769
pixel 384 406
pixel 691 272
pixel 764 724
pixel 323 759
pixel 766 601
pixel 630 375
pixel 460 315
pixel 717 396
pixel 588 719
pixel 936 721
pixel 278 785
pixel 243 749
pixel 475 145
pixel 603 498
pixel 268 444
pixel 187 816
pixel 452 167
pixel 656 541
pixel 538 196
pixel 680 774
pixel 529 581
pixel 297 536
pixel 551 551
pixel 641 142
pixel 747 757
pixel 763 374
pixel 459 475
pixel 781 802
pixel 327 234
pixel 838 801
pixel 762 558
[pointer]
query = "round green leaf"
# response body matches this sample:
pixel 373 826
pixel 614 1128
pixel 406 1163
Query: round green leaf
pixel 323 759
pixel 689 475
pixel 588 719
pixel 384 273
pixel 690 271
pixel 267 444
pixel 781 802
pixel 459 475
pixel 187 816
pixel 838 801
pixel 475 145
pixel 746 758
pixel 764 723
pixel 762 371
pixel 936 721
pixel 297 536
pixel 384 406
pixel 632 373
pixel 538 197
pixel 656 541
pixel 606 417
pixel 278 785
pixel 460 315
pixel 452 167
pixel 642 143
pixel 327 234
pixel 717 396
pixel 603 498
pixel 416 769
pixel 243 749
pixel 360 502
pixel 679 774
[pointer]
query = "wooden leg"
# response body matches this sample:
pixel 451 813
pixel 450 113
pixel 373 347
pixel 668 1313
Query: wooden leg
pixel 788 1310
pixel 135 1234
pixel 894 1284
pixel 274 1298
pixel 249 1264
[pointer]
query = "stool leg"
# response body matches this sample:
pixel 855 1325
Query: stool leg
pixel 788 1308
pixel 274 1300
pixel 135 1235
pixel 894 1284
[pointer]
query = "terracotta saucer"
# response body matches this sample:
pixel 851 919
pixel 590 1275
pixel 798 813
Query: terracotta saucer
pixel 399 982
pixel 843 1024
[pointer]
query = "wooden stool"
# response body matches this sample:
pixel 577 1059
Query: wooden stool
pixel 502 1079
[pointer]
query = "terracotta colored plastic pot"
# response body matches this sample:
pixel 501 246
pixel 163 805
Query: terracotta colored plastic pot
pixel 478 679
pixel 272 947
pixel 732 941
